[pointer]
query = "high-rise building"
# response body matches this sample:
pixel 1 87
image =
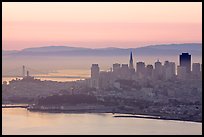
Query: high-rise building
pixel 158 70
pixel 181 72
pixel 185 61
pixel 105 79
pixel 131 67
pixel 116 67
pixel 169 70
pixel 149 71
pixel 196 69
pixel 125 72
pixel 140 69
pixel 116 71
pixel 173 68
pixel 131 61
pixel 95 76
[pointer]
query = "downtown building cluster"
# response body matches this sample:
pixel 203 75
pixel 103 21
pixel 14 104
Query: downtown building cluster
pixel 142 72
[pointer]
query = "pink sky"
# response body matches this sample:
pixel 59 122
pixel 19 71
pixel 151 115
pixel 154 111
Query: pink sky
pixel 97 25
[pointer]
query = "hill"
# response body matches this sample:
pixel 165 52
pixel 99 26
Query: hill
pixel 165 49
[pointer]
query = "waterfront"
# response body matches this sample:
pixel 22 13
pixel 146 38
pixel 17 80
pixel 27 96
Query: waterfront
pixel 87 123
pixel 64 72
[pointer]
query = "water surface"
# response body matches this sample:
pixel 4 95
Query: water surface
pixel 21 121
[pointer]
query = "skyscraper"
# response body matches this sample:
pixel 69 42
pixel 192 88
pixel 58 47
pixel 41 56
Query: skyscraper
pixel 181 72
pixel 116 67
pixel 95 75
pixel 105 79
pixel 125 72
pixel 149 71
pixel 140 69
pixel 169 70
pixel 131 61
pixel 196 69
pixel 185 61
pixel 158 70
pixel 173 68
pixel 116 71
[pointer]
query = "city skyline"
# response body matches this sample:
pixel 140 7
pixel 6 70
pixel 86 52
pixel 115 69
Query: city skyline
pixel 87 24
pixel 99 68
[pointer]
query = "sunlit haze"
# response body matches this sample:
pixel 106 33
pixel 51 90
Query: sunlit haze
pixel 97 25
pixel 138 70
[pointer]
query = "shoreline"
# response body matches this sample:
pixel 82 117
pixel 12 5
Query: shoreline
pixel 112 110
pixel 118 114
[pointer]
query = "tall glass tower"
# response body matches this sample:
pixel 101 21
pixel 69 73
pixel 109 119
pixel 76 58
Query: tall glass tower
pixel 185 61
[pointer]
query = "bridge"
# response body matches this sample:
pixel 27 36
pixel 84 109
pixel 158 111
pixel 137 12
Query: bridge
pixel 36 76
pixel 40 74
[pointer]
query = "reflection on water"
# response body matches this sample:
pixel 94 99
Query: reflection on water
pixel 21 121
pixel 69 72
pixel 52 79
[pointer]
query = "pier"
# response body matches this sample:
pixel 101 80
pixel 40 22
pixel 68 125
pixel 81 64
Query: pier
pixel 15 106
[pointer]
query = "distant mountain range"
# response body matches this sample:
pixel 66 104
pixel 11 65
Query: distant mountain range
pixel 165 49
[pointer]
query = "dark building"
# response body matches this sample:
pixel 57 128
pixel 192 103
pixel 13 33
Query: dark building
pixel 185 61
pixel 95 75
pixel 131 61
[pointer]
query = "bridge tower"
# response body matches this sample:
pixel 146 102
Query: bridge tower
pixel 23 71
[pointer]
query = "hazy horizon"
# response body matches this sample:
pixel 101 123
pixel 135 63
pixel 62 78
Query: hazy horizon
pixel 101 68
pixel 75 46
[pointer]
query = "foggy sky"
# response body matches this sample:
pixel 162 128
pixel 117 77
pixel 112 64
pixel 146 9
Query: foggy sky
pixel 100 24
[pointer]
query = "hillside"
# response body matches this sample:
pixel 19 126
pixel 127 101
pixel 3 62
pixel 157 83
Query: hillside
pixel 168 49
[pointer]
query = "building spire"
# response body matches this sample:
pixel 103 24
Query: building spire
pixel 131 61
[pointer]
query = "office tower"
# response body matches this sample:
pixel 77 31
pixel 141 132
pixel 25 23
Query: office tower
pixel 149 71
pixel 173 68
pixel 181 72
pixel 116 71
pixel 95 76
pixel 169 70
pixel 166 64
pixel 196 69
pixel 125 72
pixel 105 79
pixel 158 70
pixel 116 67
pixel 185 61
pixel 140 69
